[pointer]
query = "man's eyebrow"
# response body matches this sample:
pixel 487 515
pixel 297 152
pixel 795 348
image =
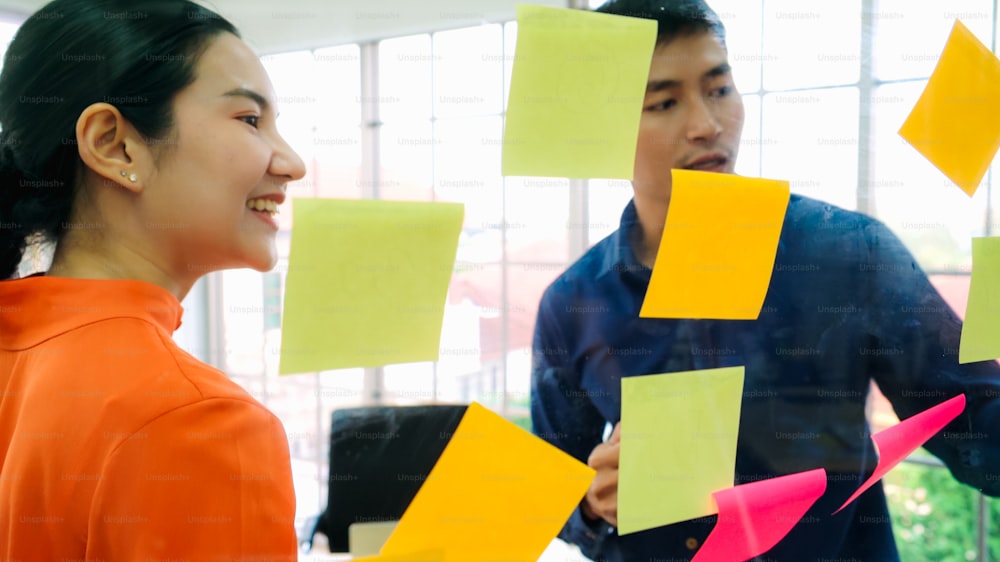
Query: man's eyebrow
pixel 660 85
pixel 250 94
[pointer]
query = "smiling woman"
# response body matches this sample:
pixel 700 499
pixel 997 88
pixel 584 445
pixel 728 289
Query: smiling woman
pixel 138 137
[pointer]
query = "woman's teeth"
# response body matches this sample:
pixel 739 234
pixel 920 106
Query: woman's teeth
pixel 263 205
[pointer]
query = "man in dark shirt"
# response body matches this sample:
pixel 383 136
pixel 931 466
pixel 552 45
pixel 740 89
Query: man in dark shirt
pixel 847 304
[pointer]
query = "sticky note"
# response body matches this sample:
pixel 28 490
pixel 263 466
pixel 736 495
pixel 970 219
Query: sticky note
pixel 897 442
pixel 756 516
pixel 718 247
pixel 694 412
pixel 497 493
pixel 423 556
pixel 576 91
pixel 981 328
pixel 955 124
pixel 367 282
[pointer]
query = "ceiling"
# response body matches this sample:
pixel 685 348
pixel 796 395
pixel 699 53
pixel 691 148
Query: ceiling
pixel 275 26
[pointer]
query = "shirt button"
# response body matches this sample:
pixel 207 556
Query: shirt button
pixel 691 543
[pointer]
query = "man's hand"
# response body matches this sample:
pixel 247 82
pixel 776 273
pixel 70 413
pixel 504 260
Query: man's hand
pixel 601 501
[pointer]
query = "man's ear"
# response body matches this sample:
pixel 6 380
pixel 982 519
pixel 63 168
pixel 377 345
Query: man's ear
pixel 111 147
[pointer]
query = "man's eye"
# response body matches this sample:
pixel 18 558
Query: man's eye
pixel 250 120
pixel 723 91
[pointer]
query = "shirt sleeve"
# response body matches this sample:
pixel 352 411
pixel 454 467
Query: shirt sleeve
pixel 914 359
pixel 563 414
pixel 207 481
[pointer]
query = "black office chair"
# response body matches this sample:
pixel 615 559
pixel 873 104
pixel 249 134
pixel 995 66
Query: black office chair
pixel 379 458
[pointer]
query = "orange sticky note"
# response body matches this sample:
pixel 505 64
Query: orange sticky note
pixel 897 442
pixel 955 123
pixel 497 493
pixel 754 517
pixel 718 247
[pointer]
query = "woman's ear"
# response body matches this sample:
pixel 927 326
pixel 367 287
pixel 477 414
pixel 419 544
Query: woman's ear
pixel 110 146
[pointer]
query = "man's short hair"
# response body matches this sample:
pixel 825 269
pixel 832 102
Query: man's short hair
pixel 675 18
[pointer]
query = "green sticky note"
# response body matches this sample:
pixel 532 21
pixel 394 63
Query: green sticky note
pixel 981 330
pixel 367 282
pixel 576 91
pixel 678 445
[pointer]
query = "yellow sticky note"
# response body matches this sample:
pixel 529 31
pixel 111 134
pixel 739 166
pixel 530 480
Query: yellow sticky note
pixel 423 556
pixel 718 247
pixel 367 282
pixel 955 123
pixel 576 91
pixel 678 445
pixel 497 493
pixel 981 329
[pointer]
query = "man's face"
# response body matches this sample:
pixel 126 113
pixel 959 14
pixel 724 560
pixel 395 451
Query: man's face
pixel 692 116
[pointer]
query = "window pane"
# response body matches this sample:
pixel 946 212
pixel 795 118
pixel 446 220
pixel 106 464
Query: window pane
pixel 292 75
pixel 934 217
pixel 903 52
pixel 808 44
pixel 467 168
pixel 405 161
pixel 336 171
pixel 7 31
pixel 509 46
pixel 408 383
pixel 815 143
pixel 606 199
pixel 742 19
pixel 404 78
pixel 337 78
pixel 468 71
pixel 537 219
pixel 525 285
pixel 466 368
pixel 748 159
pixel 933 516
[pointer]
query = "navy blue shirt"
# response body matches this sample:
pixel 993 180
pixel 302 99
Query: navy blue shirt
pixel 847 304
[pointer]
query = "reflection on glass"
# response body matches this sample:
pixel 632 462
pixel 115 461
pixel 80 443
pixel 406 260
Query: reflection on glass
pixel 815 143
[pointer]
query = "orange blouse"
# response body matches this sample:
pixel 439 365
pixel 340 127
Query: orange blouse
pixel 116 445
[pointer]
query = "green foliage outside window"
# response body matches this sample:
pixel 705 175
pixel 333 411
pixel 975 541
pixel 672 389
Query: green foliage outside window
pixel 935 517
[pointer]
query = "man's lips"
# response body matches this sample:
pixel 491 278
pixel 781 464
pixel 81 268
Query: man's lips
pixel 712 162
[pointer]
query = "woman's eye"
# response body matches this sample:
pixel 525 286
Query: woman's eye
pixel 664 105
pixel 250 120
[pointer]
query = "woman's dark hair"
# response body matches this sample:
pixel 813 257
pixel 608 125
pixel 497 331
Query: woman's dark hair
pixel 674 18
pixel 133 54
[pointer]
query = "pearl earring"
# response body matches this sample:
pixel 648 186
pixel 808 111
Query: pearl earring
pixel 133 177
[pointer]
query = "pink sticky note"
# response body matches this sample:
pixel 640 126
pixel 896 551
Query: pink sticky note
pixel 754 517
pixel 897 442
